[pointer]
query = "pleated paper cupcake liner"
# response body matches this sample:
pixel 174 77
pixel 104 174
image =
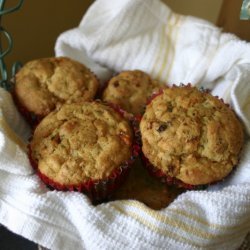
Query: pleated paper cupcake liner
pixel 96 190
pixel 101 189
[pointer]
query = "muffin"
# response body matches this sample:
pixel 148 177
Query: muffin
pixel 189 137
pixel 130 90
pixel 86 147
pixel 44 84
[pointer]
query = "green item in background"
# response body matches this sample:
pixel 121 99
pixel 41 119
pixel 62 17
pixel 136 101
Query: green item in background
pixel 4 79
pixel 245 10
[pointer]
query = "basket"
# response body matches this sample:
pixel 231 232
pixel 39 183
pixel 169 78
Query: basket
pixel 6 82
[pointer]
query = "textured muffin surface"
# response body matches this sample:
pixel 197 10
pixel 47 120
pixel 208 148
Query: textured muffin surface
pixel 130 90
pixel 191 135
pixel 81 142
pixel 43 84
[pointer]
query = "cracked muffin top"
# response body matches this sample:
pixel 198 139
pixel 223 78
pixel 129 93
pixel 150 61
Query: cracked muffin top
pixel 191 135
pixel 130 90
pixel 81 142
pixel 42 85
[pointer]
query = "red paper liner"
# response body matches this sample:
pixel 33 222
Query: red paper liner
pixel 172 181
pixel 168 180
pixel 96 190
pixel 154 95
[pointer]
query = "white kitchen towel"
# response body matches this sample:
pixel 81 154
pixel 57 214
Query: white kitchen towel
pixel 136 34
pixel 147 35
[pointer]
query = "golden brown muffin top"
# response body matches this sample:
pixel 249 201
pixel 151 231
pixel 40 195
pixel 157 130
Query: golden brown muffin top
pixel 43 84
pixel 81 142
pixel 130 90
pixel 190 135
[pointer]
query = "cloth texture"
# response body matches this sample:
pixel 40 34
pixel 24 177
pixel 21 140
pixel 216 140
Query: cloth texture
pixel 135 34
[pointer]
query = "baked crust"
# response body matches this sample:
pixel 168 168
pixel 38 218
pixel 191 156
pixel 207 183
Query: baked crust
pixel 130 90
pixel 42 85
pixel 191 135
pixel 81 142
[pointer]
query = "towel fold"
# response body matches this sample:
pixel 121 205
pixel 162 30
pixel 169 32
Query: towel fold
pixel 147 35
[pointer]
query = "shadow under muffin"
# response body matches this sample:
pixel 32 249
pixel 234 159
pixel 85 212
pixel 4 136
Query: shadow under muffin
pixel 141 186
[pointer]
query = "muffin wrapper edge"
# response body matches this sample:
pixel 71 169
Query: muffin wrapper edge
pixel 96 190
pixel 168 180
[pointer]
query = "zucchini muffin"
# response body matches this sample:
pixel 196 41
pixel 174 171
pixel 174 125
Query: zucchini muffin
pixel 44 84
pixel 130 90
pixel 83 146
pixel 190 137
